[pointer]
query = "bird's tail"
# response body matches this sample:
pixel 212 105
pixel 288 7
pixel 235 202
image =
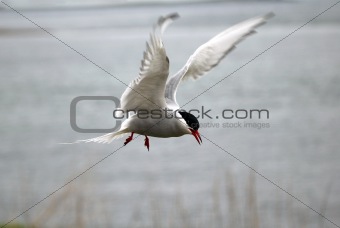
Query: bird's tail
pixel 108 138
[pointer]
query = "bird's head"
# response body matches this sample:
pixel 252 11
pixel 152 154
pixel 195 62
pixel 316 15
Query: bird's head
pixel 193 124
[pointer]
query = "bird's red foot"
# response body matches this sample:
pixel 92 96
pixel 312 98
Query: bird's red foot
pixel 146 142
pixel 129 139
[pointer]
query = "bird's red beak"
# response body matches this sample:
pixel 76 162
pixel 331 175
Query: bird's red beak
pixel 196 134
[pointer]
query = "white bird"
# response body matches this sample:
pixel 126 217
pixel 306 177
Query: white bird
pixel 152 95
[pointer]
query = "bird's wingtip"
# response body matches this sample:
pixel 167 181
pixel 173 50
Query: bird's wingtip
pixel 170 17
pixel 173 16
pixel 164 21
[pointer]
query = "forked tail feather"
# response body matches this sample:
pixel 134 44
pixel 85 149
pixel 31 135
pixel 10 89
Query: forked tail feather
pixel 107 138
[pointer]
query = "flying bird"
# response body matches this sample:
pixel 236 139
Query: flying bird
pixel 150 99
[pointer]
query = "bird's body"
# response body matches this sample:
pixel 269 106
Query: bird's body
pixel 152 95
pixel 163 126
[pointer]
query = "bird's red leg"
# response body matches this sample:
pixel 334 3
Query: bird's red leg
pixel 129 139
pixel 146 143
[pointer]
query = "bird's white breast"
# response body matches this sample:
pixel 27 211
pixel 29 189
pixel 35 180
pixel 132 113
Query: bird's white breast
pixel 157 126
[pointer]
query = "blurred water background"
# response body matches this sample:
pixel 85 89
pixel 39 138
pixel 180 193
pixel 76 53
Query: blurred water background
pixel 297 81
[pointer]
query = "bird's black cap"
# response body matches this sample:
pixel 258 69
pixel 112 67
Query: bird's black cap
pixel 190 119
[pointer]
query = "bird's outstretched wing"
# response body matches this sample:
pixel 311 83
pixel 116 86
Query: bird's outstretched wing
pixel 147 90
pixel 210 54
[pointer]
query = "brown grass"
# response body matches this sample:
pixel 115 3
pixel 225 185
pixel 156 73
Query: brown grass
pixel 227 206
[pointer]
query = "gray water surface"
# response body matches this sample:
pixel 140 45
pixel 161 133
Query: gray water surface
pixel 297 80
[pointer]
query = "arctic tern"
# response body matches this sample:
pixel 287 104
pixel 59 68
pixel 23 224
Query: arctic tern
pixel 153 92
